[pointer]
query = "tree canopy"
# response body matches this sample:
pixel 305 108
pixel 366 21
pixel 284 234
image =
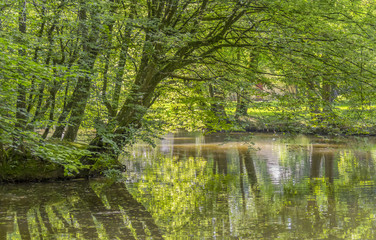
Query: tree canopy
pixel 130 69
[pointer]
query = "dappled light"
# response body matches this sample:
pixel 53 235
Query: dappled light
pixel 209 186
pixel 187 119
pixel 281 187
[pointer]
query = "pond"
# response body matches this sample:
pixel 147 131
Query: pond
pixel 218 186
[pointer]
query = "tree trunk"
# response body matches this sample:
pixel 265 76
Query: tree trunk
pixel 326 97
pixel 80 98
pixel 81 93
pixel 21 114
pixel 217 107
pixel 38 112
pixel 241 107
pixel 52 111
pixel 128 120
pixel 312 101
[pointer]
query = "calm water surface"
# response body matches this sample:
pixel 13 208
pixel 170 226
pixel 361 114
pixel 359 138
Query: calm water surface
pixel 210 187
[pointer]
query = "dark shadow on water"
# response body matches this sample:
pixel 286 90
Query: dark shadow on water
pixel 79 210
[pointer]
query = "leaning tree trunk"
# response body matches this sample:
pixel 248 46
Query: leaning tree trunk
pixel 155 66
pixel 128 120
pixel 80 98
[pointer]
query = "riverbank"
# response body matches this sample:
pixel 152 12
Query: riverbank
pixel 31 170
pixel 58 160
pixel 53 161
pixel 291 127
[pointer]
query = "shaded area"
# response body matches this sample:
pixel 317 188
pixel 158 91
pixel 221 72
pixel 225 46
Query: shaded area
pixel 79 209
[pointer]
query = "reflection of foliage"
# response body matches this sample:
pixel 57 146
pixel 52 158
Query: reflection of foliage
pixel 355 166
pixel 322 192
pixel 77 210
pixel 180 197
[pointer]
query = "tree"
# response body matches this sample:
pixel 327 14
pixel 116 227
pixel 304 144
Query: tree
pixel 114 65
pixel 175 36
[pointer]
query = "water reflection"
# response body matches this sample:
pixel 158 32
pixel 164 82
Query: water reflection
pixel 292 188
pixel 74 210
pixel 210 187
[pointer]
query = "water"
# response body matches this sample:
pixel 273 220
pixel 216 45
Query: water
pixel 210 187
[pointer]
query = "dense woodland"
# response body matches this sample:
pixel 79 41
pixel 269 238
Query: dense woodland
pixel 81 80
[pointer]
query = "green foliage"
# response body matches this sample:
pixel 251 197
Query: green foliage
pixel 132 71
pixel 67 156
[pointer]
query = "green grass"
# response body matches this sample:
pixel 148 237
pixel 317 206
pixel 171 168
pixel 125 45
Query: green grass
pixel 344 119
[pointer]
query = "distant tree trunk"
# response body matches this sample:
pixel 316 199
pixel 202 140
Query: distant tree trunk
pixel 3 158
pixel 217 107
pixel 68 102
pixel 312 100
pixel 326 97
pixel 241 107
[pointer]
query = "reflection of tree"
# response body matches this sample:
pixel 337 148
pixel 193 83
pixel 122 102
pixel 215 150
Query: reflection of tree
pixel 312 206
pixel 246 159
pixel 249 166
pixel 321 198
pixel 137 213
pixel 220 224
pixel 320 157
pixel 75 210
pixel 4 222
pixel 241 167
pixel 212 190
pixel 329 176
pixel 23 225
pixel 219 162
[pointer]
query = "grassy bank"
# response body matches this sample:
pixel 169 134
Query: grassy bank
pixel 338 120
